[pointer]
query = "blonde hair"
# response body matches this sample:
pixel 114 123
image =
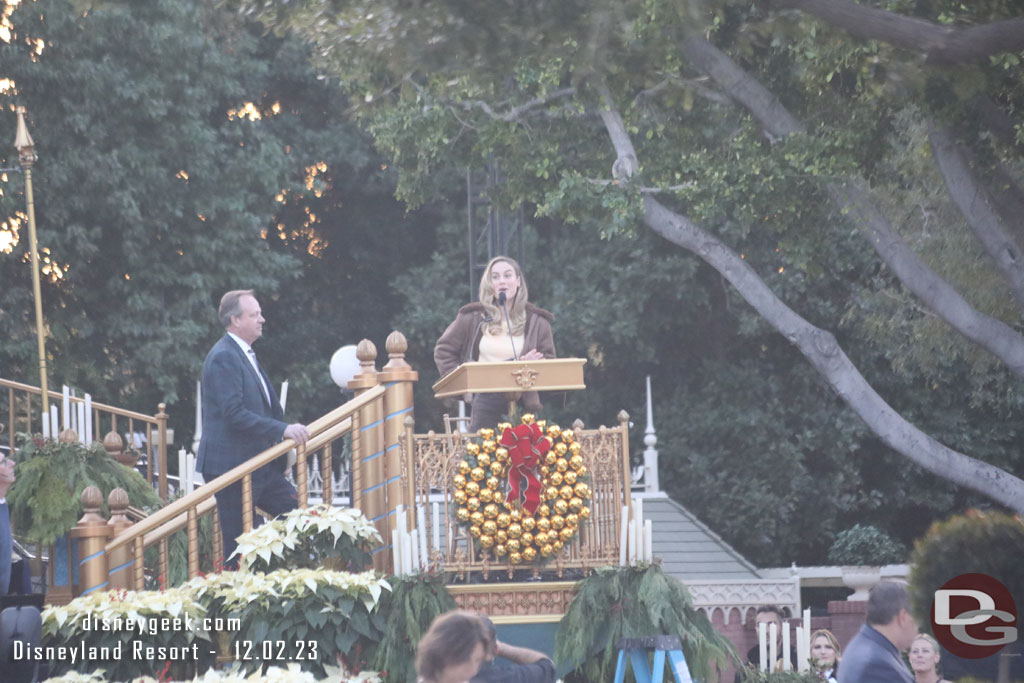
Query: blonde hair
pixel 516 307
pixel 832 641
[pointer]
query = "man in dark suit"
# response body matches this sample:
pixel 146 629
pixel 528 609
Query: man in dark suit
pixel 873 656
pixel 242 417
pixel 6 539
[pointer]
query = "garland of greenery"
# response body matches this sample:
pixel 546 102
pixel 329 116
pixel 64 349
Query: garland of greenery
pixel 412 605
pixel 51 475
pixel 632 602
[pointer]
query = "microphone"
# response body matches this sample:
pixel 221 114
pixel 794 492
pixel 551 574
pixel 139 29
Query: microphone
pixel 501 302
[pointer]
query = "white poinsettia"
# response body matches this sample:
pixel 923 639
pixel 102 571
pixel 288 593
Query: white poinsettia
pixel 238 589
pixel 125 605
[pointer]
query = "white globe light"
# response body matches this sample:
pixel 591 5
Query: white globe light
pixel 344 365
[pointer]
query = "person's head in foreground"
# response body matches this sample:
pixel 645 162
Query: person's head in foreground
pixel 889 613
pixel 452 649
pixel 825 650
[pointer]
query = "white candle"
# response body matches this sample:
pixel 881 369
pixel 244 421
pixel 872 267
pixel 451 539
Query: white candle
pixel 773 645
pixel 762 645
pixel 66 406
pixel 801 656
pixel 190 467
pixel 80 422
pixel 182 469
pixel 396 552
pixel 46 426
pixel 421 527
pixel 632 541
pixel 435 525
pixel 648 541
pixel 54 423
pixel 638 528
pixel 407 552
pixel 807 638
pixel 623 536
pixel 88 419
pixel 786 664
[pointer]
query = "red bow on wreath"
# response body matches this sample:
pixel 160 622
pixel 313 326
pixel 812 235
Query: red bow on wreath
pixel 526 446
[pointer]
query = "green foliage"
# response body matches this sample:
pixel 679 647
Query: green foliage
pixel 977 542
pixel 411 606
pixel 51 476
pixel 630 602
pixel 864 544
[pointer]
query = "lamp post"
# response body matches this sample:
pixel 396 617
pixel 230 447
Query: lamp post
pixel 27 156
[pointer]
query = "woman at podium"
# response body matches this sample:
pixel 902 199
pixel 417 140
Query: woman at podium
pixel 503 325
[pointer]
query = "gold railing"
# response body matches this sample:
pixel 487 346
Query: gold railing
pixel 114 550
pixel 433 462
pixel 24 414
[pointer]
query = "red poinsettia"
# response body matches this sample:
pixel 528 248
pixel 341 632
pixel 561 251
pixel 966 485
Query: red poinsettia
pixel 526 446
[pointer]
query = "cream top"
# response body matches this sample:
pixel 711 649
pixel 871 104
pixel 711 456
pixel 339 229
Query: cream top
pixel 497 347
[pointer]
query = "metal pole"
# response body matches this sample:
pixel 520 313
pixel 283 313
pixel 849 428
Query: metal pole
pixel 26 155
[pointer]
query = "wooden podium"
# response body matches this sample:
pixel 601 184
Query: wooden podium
pixel 550 374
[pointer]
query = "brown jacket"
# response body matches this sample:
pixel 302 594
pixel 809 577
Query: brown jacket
pixel 461 341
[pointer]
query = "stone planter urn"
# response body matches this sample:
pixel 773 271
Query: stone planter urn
pixel 860 578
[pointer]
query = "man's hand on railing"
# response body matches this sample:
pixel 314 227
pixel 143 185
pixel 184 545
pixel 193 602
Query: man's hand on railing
pixel 297 432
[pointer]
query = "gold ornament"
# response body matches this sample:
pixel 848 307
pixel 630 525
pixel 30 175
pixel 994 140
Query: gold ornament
pixel 566 535
pixel 515 530
pixel 529 523
pixel 473 448
pixel 561 465
pixel 460 497
pixel 543 524
pixel 547 550
pixel 561 449
pixel 540 538
pixel 500 550
pixel 476 518
pixel 528 418
pixel 558 522
pixel 517 515
pixel 503 519
pixel 489 527
pixel 569 477
pixel 501 536
pixel 464 468
pixel 474 531
pixel 490 511
pixel 472 488
pixel 557 545
pixel 486 541
pixel 459 481
pixel 542 425
pixel 582 471
pixel 526 539
pixel 515 558
pixel 493 483
pixel 551 493
pixel 513 545
pixel 576 462
pixel 501 454
pixel 556 479
pixel 544 470
pixel 566 493
pixel 572 520
pixel 582 490
pixel 550 458
pixel 575 504
pixel 543 510
pixel 502 426
pixel 584 512
pixel 483 460
pixel 488 445
pixel 485 433
pixel 478 474
pixel 568 436
pixel 529 554
pixel 576 448
pixel 473 503
pixel 462 514
pixel 486 496
pixel 561 507
pixel 553 431
pixel 497 470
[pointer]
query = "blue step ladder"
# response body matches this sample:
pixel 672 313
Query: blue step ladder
pixel 636 650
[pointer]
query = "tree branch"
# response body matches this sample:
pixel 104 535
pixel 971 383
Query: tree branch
pixel 514 113
pixel 977 208
pixel 817 345
pixel 989 333
pixel 942 44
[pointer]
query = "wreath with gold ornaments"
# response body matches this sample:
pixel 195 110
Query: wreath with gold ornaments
pixel 522 491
